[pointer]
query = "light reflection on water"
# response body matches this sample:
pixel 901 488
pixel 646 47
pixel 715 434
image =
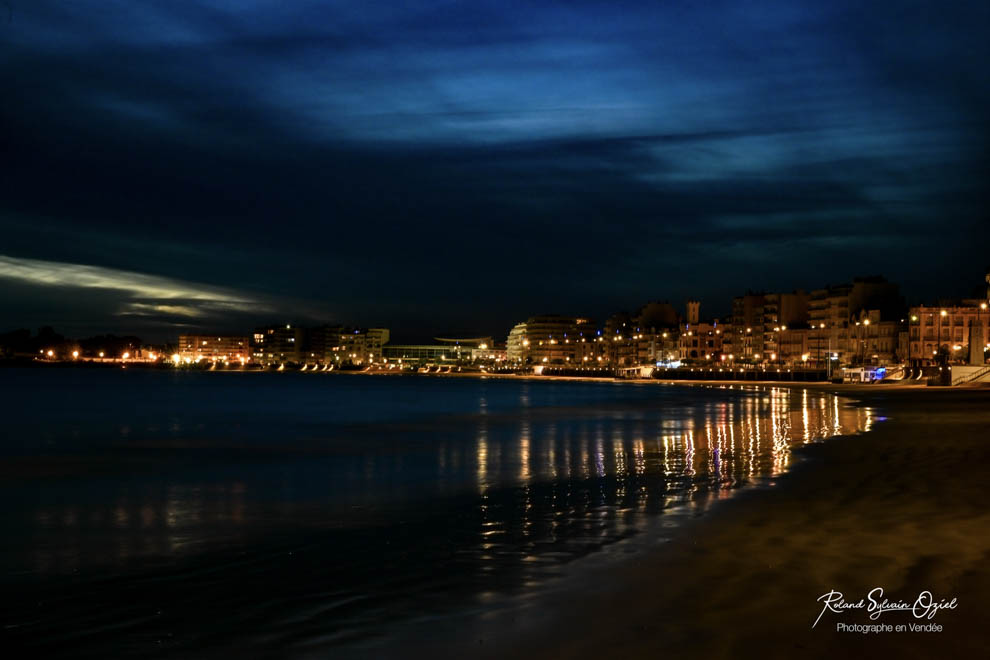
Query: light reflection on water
pixel 730 443
pixel 382 520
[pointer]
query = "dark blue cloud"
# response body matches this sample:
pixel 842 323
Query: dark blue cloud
pixel 442 165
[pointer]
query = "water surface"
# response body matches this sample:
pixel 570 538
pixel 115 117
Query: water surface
pixel 181 514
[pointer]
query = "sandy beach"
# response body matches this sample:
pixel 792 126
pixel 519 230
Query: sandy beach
pixel 901 507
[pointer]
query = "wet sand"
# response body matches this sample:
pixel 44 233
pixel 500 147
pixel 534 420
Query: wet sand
pixel 903 507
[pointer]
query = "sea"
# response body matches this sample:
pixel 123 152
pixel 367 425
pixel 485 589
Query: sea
pixel 175 513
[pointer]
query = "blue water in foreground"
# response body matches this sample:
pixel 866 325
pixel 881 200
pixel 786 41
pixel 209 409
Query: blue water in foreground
pixel 189 514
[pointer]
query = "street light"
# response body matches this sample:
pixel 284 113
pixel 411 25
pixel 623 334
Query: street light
pixel 983 306
pixel 818 355
pixel 866 339
pixel 938 346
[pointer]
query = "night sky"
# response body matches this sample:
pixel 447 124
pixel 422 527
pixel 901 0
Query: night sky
pixel 443 167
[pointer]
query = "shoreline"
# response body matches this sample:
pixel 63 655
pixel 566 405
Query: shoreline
pixel 842 389
pixel 899 507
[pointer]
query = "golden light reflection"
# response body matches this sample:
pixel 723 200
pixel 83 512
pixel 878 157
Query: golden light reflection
pixel 524 437
pixel 595 470
pixel 582 476
pixel 482 458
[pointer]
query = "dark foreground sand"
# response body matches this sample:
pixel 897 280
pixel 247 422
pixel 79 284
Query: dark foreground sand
pixel 905 507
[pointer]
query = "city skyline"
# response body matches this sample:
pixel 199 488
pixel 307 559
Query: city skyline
pixel 864 321
pixel 194 166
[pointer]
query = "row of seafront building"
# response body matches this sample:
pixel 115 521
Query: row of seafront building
pixel 864 322
pixel 287 344
pixel 330 345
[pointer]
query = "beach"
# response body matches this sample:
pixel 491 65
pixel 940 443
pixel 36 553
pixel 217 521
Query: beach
pixel 901 507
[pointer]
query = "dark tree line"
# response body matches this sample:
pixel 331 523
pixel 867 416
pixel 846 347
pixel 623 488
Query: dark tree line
pixel 21 343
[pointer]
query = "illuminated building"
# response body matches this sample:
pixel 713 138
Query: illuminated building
pixel 361 345
pixel 784 309
pixel 746 338
pixel 322 344
pixel 552 339
pixel 214 347
pixel 280 344
pixel 419 353
pixel 949 328
pixel 656 332
pixel 757 320
pixel 956 331
pixel 490 354
pixel 646 339
pixel 700 340
pixel 834 311
pixel 326 344
pixel 468 349
pixel 460 351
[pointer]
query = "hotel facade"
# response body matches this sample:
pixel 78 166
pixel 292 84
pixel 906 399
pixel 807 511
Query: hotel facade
pixel 214 347
pixel 553 340
pixel 958 331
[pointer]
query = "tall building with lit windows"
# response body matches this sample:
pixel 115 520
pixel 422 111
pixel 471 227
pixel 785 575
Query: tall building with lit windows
pixel 759 318
pixel 646 338
pixel 747 326
pixel 325 344
pixel 552 340
pixel 214 347
pixel 280 344
pixel 855 322
pixel 360 346
pixel 322 344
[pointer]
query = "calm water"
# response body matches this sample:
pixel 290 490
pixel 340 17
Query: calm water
pixel 181 514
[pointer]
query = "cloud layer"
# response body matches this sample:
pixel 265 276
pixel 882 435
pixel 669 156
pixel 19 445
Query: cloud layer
pixel 455 165
pixel 136 294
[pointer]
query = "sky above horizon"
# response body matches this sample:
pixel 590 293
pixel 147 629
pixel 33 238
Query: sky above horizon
pixel 441 167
